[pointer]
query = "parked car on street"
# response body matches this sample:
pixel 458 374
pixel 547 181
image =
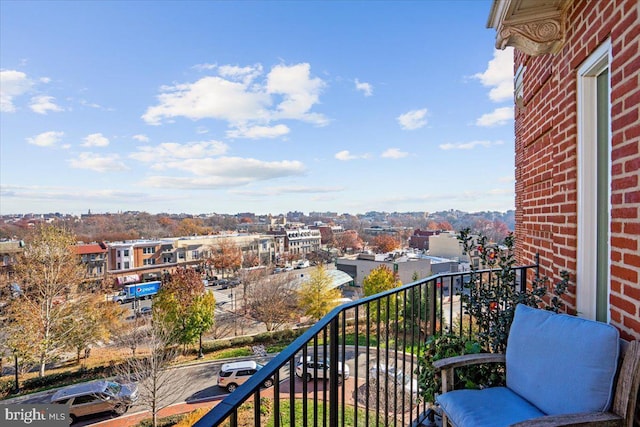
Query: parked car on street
pixel 232 375
pixel 96 397
pixel 145 311
pixel 320 369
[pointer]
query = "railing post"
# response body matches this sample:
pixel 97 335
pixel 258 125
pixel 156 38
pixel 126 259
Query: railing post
pixel 333 372
pixel 431 298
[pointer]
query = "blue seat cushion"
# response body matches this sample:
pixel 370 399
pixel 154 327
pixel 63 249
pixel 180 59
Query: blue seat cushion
pixel 490 407
pixel 561 364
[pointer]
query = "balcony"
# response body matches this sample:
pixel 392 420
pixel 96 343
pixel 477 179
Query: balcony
pixel 376 341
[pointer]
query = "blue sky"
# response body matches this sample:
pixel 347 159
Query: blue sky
pixel 265 107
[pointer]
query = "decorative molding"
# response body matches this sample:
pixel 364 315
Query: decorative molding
pixel 533 38
pixel 531 26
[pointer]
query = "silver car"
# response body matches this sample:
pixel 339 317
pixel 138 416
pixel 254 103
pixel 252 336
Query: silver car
pixel 96 397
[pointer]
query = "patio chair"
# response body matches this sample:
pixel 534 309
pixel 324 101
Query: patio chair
pixel 561 370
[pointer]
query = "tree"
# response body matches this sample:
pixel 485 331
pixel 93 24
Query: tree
pixel 183 306
pixel 379 280
pixel 227 256
pixel 201 316
pixel 316 296
pixel 385 243
pixel 348 241
pixel 191 227
pixel 158 384
pixel 272 300
pixel 91 319
pixel 48 272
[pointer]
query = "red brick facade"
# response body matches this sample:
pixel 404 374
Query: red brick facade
pixel 547 153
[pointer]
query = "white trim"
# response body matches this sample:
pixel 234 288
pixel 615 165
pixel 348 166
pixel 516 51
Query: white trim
pixel 586 278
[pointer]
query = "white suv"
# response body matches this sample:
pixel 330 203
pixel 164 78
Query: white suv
pixel 319 367
pixel 231 375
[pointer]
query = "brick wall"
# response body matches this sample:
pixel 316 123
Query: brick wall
pixel 546 153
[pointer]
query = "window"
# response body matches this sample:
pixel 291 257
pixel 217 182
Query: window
pixel 149 250
pixel 118 266
pixel 126 265
pixel 149 261
pixel 125 252
pixel 87 398
pixel 118 253
pixel 594 183
pixel 194 255
pixel 166 259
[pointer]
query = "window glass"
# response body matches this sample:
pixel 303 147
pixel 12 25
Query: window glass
pixel 80 400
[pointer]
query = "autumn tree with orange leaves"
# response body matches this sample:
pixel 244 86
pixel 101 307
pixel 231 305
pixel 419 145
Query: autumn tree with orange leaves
pixel 225 257
pixel 385 243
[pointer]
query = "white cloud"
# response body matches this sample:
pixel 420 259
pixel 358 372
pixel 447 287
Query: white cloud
pixel 469 145
pixel 204 67
pixel 141 138
pixel 98 163
pixel 497 117
pixel 499 75
pixel 243 74
pixel 414 119
pixel 95 140
pixel 210 97
pixel 237 97
pixel 86 103
pixel 169 151
pixel 278 191
pixel 299 90
pixel 394 153
pixel 259 132
pixel 68 194
pixel 43 103
pixel 12 84
pixel 223 172
pixel 46 139
pixel 365 88
pixel 345 155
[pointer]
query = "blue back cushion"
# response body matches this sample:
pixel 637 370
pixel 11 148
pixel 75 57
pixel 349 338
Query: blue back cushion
pixel 562 364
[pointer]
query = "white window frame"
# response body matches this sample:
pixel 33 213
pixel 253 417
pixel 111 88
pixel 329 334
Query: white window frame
pixel 586 274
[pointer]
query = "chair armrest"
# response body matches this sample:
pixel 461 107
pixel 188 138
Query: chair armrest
pixel 468 359
pixel 448 365
pixel 600 419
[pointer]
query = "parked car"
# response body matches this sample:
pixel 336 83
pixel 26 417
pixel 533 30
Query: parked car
pixel 145 311
pixel 232 375
pixel 96 397
pixel 320 368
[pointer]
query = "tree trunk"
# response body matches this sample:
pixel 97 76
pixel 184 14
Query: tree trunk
pixel 78 356
pixel 43 365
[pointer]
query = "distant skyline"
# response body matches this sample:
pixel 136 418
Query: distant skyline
pixel 253 106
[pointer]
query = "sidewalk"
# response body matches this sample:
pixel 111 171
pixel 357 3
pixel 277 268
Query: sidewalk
pixel 128 420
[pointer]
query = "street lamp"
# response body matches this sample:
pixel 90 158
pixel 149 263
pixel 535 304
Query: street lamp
pixel 235 315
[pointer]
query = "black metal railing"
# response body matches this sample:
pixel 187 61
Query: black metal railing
pixel 357 365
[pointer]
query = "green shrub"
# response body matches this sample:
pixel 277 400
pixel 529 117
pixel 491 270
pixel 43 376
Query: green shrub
pixel 6 386
pixel 240 341
pixel 489 305
pixel 442 346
